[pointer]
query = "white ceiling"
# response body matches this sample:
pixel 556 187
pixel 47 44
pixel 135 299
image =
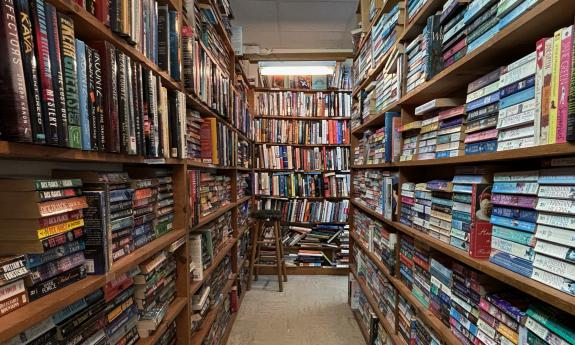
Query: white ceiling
pixel 296 24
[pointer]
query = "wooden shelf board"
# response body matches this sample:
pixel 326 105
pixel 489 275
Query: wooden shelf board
pixel 199 335
pixel 375 120
pixel 417 23
pixel 389 328
pixel 195 286
pixel 213 216
pixel 142 254
pixel 509 44
pixel 541 291
pixel 174 310
pixel 244 199
pixel 305 118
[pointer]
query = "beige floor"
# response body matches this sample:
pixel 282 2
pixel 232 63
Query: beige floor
pixel 312 310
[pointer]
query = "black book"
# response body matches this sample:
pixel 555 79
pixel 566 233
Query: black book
pixel 14 119
pixel 98 99
pixel 122 101
pixel 163 37
pixel 90 85
pixel 173 119
pixel 57 77
pixel 30 65
pixel 138 105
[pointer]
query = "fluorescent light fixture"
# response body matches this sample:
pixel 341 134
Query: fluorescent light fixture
pixel 296 67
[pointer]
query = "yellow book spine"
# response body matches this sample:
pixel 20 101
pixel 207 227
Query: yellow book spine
pixel 552 134
pixel 59 228
pixel 215 158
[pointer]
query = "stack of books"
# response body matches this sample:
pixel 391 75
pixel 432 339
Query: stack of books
pixel 451 133
pixel 406 249
pixel 453 27
pixel 471 212
pixel 513 226
pixel 368 101
pixel 384 33
pixel 328 132
pixel 554 263
pixel 367 317
pixel 364 62
pixel 214 192
pixel 417 57
pixel 45 219
pixel 165 207
pixel 410 134
pixel 295 234
pixel 406 319
pixel 440 288
pixel 383 243
pixel 423 334
pixel 303 104
pixel 421 277
pixel 502 318
pixel 432 122
pixel 482 113
pixel 154 290
pixel 441 209
pixel 144 210
pixel 193 128
pixel 342 256
pixel 547 325
pixel 388 87
pixel 413 7
pixel 517 105
pixel 427 141
pixel 407 213
pixel 218 279
pixel 421 209
pixel 311 258
pixel 121 310
pixel 200 305
pixel 244 154
pixel 376 189
pixel 481 22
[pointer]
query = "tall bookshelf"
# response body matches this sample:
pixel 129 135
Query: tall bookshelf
pixel 510 43
pixel 42 157
pixel 273 117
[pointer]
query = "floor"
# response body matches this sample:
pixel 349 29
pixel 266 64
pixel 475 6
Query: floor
pixel 312 310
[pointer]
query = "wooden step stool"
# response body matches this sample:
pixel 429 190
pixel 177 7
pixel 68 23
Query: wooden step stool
pixel 267 218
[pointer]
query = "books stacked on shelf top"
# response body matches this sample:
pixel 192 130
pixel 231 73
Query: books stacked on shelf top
pixel 513 218
pixel 406 319
pixel 193 139
pixel 377 191
pixel 302 158
pixel 441 209
pixel 453 26
pixel 214 192
pixel 120 309
pixel 471 212
pixel 388 86
pixel 451 132
pixel 154 290
pixel 413 7
pixel 481 23
pixel 109 217
pixel 384 33
pixel 301 132
pixel 341 78
pixel 410 134
pixel 482 114
pixel 515 124
pixel 312 258
pixel 303 104
pixel 305 211
pixel 554 263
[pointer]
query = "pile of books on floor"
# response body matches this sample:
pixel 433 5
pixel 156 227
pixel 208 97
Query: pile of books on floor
pixel 44 218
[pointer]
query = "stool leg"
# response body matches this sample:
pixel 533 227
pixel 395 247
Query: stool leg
pixel 284 269
pixel 279 258
pixel 253 252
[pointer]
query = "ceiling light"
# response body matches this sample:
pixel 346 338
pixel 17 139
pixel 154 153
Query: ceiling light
pixel 296 68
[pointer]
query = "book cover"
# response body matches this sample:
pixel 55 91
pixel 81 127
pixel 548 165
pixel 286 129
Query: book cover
pixel 554 96
pixel 565 64
pixel 82 77
pixel 319 82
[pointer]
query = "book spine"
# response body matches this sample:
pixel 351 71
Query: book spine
pixel 91 99
pixel 57 77
pixel 539 72
pixel 82 78
pixel 98 99
pixel 69 72
pixel 102 9
pixel 546 90
pixel 550 322
pixel 558 267
pixel 13 303
pixel 565 63
pixel 15 119
pixel 123 107
pixel 553 280
pixel 555 76
pixel 30 66
pixel 174 45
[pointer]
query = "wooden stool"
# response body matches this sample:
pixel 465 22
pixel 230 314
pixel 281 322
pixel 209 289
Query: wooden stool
pixel 267 218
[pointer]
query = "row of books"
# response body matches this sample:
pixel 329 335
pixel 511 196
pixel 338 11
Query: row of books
pixel 369 321
pixel 457 30
pixel 301 132
pixel 288 184
pixel 244 185
pixel 305 211
pixel 376 237
pixel 300 158
pixel 241 117
pixel 340 79
pixel 126 309
pixel 377 190
pixel 384 34
pixel 379 145
pixel 303 104
pixel 208 191
pixel 244 154
pixel 413 7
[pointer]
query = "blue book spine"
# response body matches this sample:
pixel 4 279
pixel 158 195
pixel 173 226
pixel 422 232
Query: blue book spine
pixel 442 154
pixel 463 321
pixel 459 243
pixel 515 213
pixel 516 188
pixel 463 188
pixel 174 45
pixel 481 147
pixel 515 13
pixel 483 101
pixel 461 216
pixel 83 94
pixel 517 87
pixel 513 223
pixel 517 98
pixel 389 135
pixel 520 237
pixel 483 38
pixel 512 263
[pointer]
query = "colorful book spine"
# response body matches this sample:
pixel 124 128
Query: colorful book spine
pixel 565 65
pixel 554 98
pixel 546 90
pixel 82 78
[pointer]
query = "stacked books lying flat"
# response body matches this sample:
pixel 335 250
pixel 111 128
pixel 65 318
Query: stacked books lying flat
pixel 303 104
pixel 305 211
pixel 154 290
pixel 380 145
pixel 376 190
pixel 413 7
pixel 244 185
pixel 366 316
pixel 384 33
pixel 219 143
pixel 301 132
pixel 211 191
pixel 388 83
pixel 208 241
pixel 376 238
pixel 121 309
pixel 312 258
pixel 423 62
pixel 314 236
pixel 452 22
pixel 298 158
pixel 43 243
pixel 367 101
pixel 244 154
pixel 286 184
pixel 342 256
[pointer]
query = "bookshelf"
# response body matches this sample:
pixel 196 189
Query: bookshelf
pixel 509 44
pixel 295 118
pixel 237 120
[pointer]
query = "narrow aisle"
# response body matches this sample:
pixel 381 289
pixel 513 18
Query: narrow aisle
pixel 312 310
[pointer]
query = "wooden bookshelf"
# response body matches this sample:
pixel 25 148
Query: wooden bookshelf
pixel 364 331
pixel 174 310
pixel 414 26
pixel 375 120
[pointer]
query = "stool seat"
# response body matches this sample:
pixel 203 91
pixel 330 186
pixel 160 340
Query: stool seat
pixel 267 214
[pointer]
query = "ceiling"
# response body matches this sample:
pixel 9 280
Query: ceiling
pixel 296 24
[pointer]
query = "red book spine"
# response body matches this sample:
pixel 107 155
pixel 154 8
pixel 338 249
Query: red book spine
pixel 480 232
pixel 103 11
pixel 564 83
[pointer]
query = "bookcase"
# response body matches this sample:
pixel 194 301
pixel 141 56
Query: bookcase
pixel 218 95
pixel 301 153
pixel 408 260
